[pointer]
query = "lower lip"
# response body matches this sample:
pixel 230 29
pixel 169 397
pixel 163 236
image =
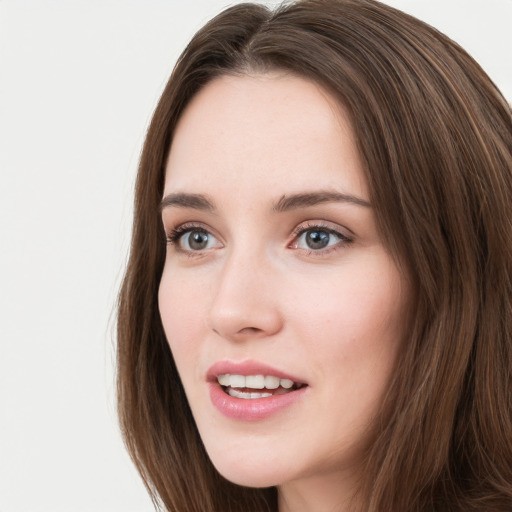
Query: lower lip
pixel 251 409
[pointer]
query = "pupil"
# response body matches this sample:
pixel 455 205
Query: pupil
pixel 198 240
pixel 317 239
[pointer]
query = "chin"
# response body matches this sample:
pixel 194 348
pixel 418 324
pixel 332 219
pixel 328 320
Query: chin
pixel 246 474
pixel 247 479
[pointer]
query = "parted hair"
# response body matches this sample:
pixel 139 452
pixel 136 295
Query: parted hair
pixel 435 138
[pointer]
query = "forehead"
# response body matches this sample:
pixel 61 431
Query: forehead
pixel 263 132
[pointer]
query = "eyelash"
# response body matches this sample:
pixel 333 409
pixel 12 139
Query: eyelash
pixel 318 226
pixel 177 233
pixel 174 236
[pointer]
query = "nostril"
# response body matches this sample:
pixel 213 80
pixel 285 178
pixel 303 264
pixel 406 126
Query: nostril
pixel 233 318
pixel 249 330
pixel 244 332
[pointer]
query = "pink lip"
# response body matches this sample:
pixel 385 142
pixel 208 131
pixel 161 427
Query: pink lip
pixel 249 409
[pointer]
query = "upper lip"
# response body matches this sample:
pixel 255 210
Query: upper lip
pixel 247 367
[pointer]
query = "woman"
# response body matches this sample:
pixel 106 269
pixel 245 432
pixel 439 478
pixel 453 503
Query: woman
pixel 317 311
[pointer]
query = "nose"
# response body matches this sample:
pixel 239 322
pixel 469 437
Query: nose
pixel 245 302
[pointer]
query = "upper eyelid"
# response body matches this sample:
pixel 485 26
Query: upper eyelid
pixel 299 229
pixel 322 224
pixel 187 226
pixel 331 231
pixel 175 233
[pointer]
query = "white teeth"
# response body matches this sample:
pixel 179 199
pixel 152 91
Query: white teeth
pixel 286 383
pixel 271 382
pixel 224 380
pixel 237 381
pixel 253 381
pixel 246 394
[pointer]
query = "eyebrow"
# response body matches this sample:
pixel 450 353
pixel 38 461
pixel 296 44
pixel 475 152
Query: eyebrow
pixel 284 204
pixel 182 200
pixel 304 200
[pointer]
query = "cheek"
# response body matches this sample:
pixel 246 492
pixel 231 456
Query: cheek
pixel 181 306
pixel 353 328
pixel 352 304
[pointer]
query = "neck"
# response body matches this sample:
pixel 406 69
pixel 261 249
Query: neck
pixel 322 493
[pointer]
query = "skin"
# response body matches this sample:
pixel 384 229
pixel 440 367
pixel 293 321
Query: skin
pixel 333 317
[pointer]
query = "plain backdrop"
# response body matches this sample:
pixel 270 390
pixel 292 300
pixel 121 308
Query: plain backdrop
pixel 79 80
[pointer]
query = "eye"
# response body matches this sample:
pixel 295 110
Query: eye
pixel 318 238
pixel 192 239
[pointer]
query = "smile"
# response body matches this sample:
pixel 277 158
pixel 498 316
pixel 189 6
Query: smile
pixel 252 390
pixel 245 386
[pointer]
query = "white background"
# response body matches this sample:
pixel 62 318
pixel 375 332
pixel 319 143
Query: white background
pixel 78 82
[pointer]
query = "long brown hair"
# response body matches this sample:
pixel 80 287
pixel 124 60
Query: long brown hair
pixel 435 136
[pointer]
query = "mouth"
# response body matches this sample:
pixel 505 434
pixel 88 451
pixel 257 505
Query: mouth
pixel 251 387
pixel 252 391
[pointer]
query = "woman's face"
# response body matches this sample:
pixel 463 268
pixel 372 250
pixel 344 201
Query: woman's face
pixel 282 307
